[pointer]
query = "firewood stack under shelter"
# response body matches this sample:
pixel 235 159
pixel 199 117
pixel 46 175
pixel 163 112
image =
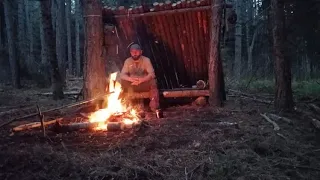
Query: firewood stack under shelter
pixel 175 36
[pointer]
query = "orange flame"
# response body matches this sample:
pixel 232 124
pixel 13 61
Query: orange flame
pixel 114 106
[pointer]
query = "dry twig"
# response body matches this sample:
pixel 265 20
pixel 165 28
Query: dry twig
pixel 275 125
pixel 276 118
pixel 314 107
pixel 314 121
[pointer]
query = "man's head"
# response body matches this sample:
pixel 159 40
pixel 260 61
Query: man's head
pixel 135 51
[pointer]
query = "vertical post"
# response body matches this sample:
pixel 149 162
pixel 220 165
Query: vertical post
pixel 41 118
pixel 283 96
pixel 94 67
pixel 215 64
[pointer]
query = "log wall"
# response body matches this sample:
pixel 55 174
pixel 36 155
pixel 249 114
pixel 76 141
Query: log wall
pixel 176 42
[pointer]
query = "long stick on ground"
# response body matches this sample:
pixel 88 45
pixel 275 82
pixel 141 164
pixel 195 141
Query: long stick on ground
pixel 34 125
pixel 275 125
pixel 314 121
pixel 277 118
pixel 54 109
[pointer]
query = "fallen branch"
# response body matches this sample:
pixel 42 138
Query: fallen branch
pixel 74 126
pixel 108 126
pixel 314 121
pixel 275 125
pixel 33 125
pixel 246 94
pixel 300 167
pixel 258 100
pixel 281 135
pixel 65 93
pixel 314 108
pixel 277 118
pixel 54 109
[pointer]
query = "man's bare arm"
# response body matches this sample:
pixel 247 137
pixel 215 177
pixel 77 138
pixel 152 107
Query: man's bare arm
pixel 124 73
pixel 150 71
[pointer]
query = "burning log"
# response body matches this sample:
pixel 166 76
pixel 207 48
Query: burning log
pixel 58 108
pixel 75 126
pixel 92 126
pixel 115 126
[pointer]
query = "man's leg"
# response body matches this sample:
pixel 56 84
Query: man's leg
pixel 152 88
pixel 149 86
pixel 154 96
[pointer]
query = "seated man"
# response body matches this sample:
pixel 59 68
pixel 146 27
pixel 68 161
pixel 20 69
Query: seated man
pixel 137 75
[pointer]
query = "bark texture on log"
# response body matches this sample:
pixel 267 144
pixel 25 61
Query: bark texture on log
pixel 171 94
pixel 215 67
pixel 283 97
pixel 57 84
pixel 94 67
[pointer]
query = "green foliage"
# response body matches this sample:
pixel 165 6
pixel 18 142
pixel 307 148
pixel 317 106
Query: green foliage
pixel 307 88
pixel 300 88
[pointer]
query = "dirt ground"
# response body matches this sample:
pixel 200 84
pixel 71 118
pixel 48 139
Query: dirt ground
pixel 190 142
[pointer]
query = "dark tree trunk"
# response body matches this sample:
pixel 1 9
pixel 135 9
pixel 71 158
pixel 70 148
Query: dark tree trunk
pixel 68 22
pixel 14 63
pixel 78 20
pixel 94 67
pixel 215 64
pixel 57 83
pixel 61 38
pixel 283 96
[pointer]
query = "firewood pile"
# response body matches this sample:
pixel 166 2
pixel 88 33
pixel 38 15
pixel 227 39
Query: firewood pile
pixel 174 35
pixel 81 122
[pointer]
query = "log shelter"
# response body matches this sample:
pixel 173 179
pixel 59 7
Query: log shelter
pixel 175 36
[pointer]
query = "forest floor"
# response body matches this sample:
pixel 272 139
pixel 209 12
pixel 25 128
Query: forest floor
pixel 190 142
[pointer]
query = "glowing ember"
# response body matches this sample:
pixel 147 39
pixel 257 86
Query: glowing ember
pixel 114 107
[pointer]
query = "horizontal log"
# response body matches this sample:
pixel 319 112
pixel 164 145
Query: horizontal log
pixel 109 126
pixel 75 126
pixel 33 125
pixel 172 94
pixel 170 11
pixel 65 93
pixel 57 108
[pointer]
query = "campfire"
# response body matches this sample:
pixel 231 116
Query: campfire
pixel 116 114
